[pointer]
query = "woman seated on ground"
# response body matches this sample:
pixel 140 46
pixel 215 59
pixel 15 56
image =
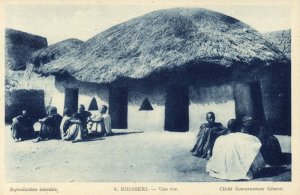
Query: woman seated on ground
pixel 236 155
pixel 207 135
pixel 100 124
pixel 71 127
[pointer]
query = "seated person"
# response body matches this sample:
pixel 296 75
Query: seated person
pixel 236 155
pixel 101 123
pixel 84 116
pixel 207 135
pixel 71 127
pixel 22 127
pixel 50 126
pixel 270 149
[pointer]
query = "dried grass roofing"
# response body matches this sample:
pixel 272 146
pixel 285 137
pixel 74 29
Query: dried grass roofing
pixel 19 46
pixel 54 52
pixel 164 40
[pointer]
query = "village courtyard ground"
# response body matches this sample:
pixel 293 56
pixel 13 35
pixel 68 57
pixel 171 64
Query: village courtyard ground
pixel 128 156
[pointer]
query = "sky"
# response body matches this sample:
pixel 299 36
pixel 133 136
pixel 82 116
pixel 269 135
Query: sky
pixel 58 23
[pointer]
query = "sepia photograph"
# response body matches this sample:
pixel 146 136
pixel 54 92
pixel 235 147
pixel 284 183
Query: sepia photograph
pixel 114 93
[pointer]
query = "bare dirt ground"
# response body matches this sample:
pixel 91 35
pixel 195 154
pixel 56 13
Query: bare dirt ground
pixel 128 156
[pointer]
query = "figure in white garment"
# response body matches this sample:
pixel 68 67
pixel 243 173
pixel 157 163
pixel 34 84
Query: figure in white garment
pixel 71 127
pixel 237 154
pixel 100 123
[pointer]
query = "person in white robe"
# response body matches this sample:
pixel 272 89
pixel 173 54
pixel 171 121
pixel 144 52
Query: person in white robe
pixel 71 127
pixel 101 123
pixel 236 155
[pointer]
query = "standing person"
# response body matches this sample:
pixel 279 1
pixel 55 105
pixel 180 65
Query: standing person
pixel 84 117
pixel 236 155
pixel 101 123
pixel 50 126
pixel 71 127
pixel 22 127
pixel 207 135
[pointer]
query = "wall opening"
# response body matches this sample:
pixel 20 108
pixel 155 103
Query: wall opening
pixel 146 105
pixel 71 99
pixel 118 107
pixel 177 109
pixel 93 105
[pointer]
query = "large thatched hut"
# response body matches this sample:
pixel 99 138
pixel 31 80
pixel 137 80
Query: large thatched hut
pixel 182 62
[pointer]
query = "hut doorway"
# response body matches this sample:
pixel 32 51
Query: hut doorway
pixel 118 107
pixel 248 100
pixel 177 109
pixel 71 99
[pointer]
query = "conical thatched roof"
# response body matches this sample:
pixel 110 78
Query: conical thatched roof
pixel 164 40
pixel 54 52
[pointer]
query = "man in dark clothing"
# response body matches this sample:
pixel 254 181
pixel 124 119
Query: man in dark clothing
pixel 207 136
pixel 83 116
pixel 22 127
pixel 50 126
pixel 270 149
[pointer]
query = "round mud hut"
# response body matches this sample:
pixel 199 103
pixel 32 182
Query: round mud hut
pixel 183 62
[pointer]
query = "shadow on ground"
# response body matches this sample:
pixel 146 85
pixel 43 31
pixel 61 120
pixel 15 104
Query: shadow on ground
pixel 126 133
pixel 272 171
pixel 92 139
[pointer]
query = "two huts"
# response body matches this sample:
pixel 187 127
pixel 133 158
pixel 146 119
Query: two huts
pixel 180 62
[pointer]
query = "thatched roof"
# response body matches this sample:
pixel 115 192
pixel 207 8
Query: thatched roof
pixel 19 46
pixel 163 40
pixel 54 52
pixel 281 39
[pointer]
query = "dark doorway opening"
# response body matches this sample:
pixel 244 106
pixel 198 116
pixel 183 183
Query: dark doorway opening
pixel 118 107
pixel 258 111
pixel 248 101
pixel 71 99
pixel 177 109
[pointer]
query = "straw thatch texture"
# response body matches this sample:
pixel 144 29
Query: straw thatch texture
pixel 25 79
pixel 54 52
pixel 19 46
pixel 281 39
pixel 164 40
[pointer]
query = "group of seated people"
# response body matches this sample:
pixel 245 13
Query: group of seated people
pixel 238 152
pixel 72 126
